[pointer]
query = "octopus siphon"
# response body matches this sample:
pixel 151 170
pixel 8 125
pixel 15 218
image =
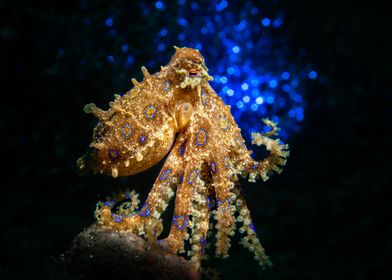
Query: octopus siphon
pixel 176 113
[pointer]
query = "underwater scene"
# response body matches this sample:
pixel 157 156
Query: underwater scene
pixel 195 139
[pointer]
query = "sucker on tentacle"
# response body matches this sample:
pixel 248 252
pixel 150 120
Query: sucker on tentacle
pixel 175 112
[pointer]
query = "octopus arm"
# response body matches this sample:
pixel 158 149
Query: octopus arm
pixel 274 162
pixel 249 240
pixel 174 243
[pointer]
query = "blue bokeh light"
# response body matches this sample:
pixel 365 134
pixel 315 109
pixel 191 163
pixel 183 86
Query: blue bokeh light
pixel 109 22
pixel 312 75
pixel 266 22
pixel 160 5
pixel 246 52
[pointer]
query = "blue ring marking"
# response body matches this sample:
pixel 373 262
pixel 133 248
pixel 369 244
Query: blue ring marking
pixel 182 148
pixel 117 218
pixel 126 135
pixel 203 244
pixel 144 212
pixel 227 165
pixel 194 171
pixel 213 167
pixel 227 123
pixel 165 174
pixel 222 202
pixel 166 85
pixel 153 115
pixel 205 137
pixel 113 154
pixel 184 223
pixel 142 139
pixel 204 97
pixel 110 203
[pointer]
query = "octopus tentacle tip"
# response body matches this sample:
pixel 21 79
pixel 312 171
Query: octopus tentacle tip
pixel 176 114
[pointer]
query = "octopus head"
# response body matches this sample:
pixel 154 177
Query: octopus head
pixel 189 65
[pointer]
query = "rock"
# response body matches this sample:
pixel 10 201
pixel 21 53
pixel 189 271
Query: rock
pixel 104 253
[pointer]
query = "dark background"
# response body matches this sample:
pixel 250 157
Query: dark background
pixel 326 217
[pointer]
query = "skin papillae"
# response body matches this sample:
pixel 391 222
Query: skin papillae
pixel 176 112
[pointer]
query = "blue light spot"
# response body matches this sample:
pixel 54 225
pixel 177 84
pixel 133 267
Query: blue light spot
pixel 254 82
pixel 130 60
pixel 182 21
pixel 270 99
pixel 181 37
pixel 163 32
pixel 294 83
pixel 160 5
pixel 292 113
pixel 259 100
pixel 161 47
pixel 230 70
pixel 181 2
pixel 285 75
pixel 277 22
pixel 244 86
pixel 124 48
pixel 110 58
pixel 273 84
pixel 297 98
pixel 312 74
pixel 246 98
pixel 249 45
pixel 204 30
pixel 220 6
pixel 254 10
pixel 223 80
pixel 240 104
pixel 255 92
pixel 194 6
pixel 300 113
pixel 236 49
pixel 230 92
pixel 266 22
pixel 109 22
pixel 241 26
pixel 287 88
pixel 254 107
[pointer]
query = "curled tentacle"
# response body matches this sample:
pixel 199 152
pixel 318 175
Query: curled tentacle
pixel 277 158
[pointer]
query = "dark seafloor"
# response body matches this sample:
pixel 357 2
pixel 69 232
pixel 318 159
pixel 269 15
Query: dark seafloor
pixel 326 217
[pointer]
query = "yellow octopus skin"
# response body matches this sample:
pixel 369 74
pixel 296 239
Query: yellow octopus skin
pixel 175 111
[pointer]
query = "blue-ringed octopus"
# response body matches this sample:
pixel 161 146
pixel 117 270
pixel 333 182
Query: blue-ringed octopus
pixel 176 113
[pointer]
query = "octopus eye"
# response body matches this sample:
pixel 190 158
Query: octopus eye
pixel 192 73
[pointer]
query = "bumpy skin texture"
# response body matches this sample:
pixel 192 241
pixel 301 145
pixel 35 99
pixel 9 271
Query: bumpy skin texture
pixel 176 111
